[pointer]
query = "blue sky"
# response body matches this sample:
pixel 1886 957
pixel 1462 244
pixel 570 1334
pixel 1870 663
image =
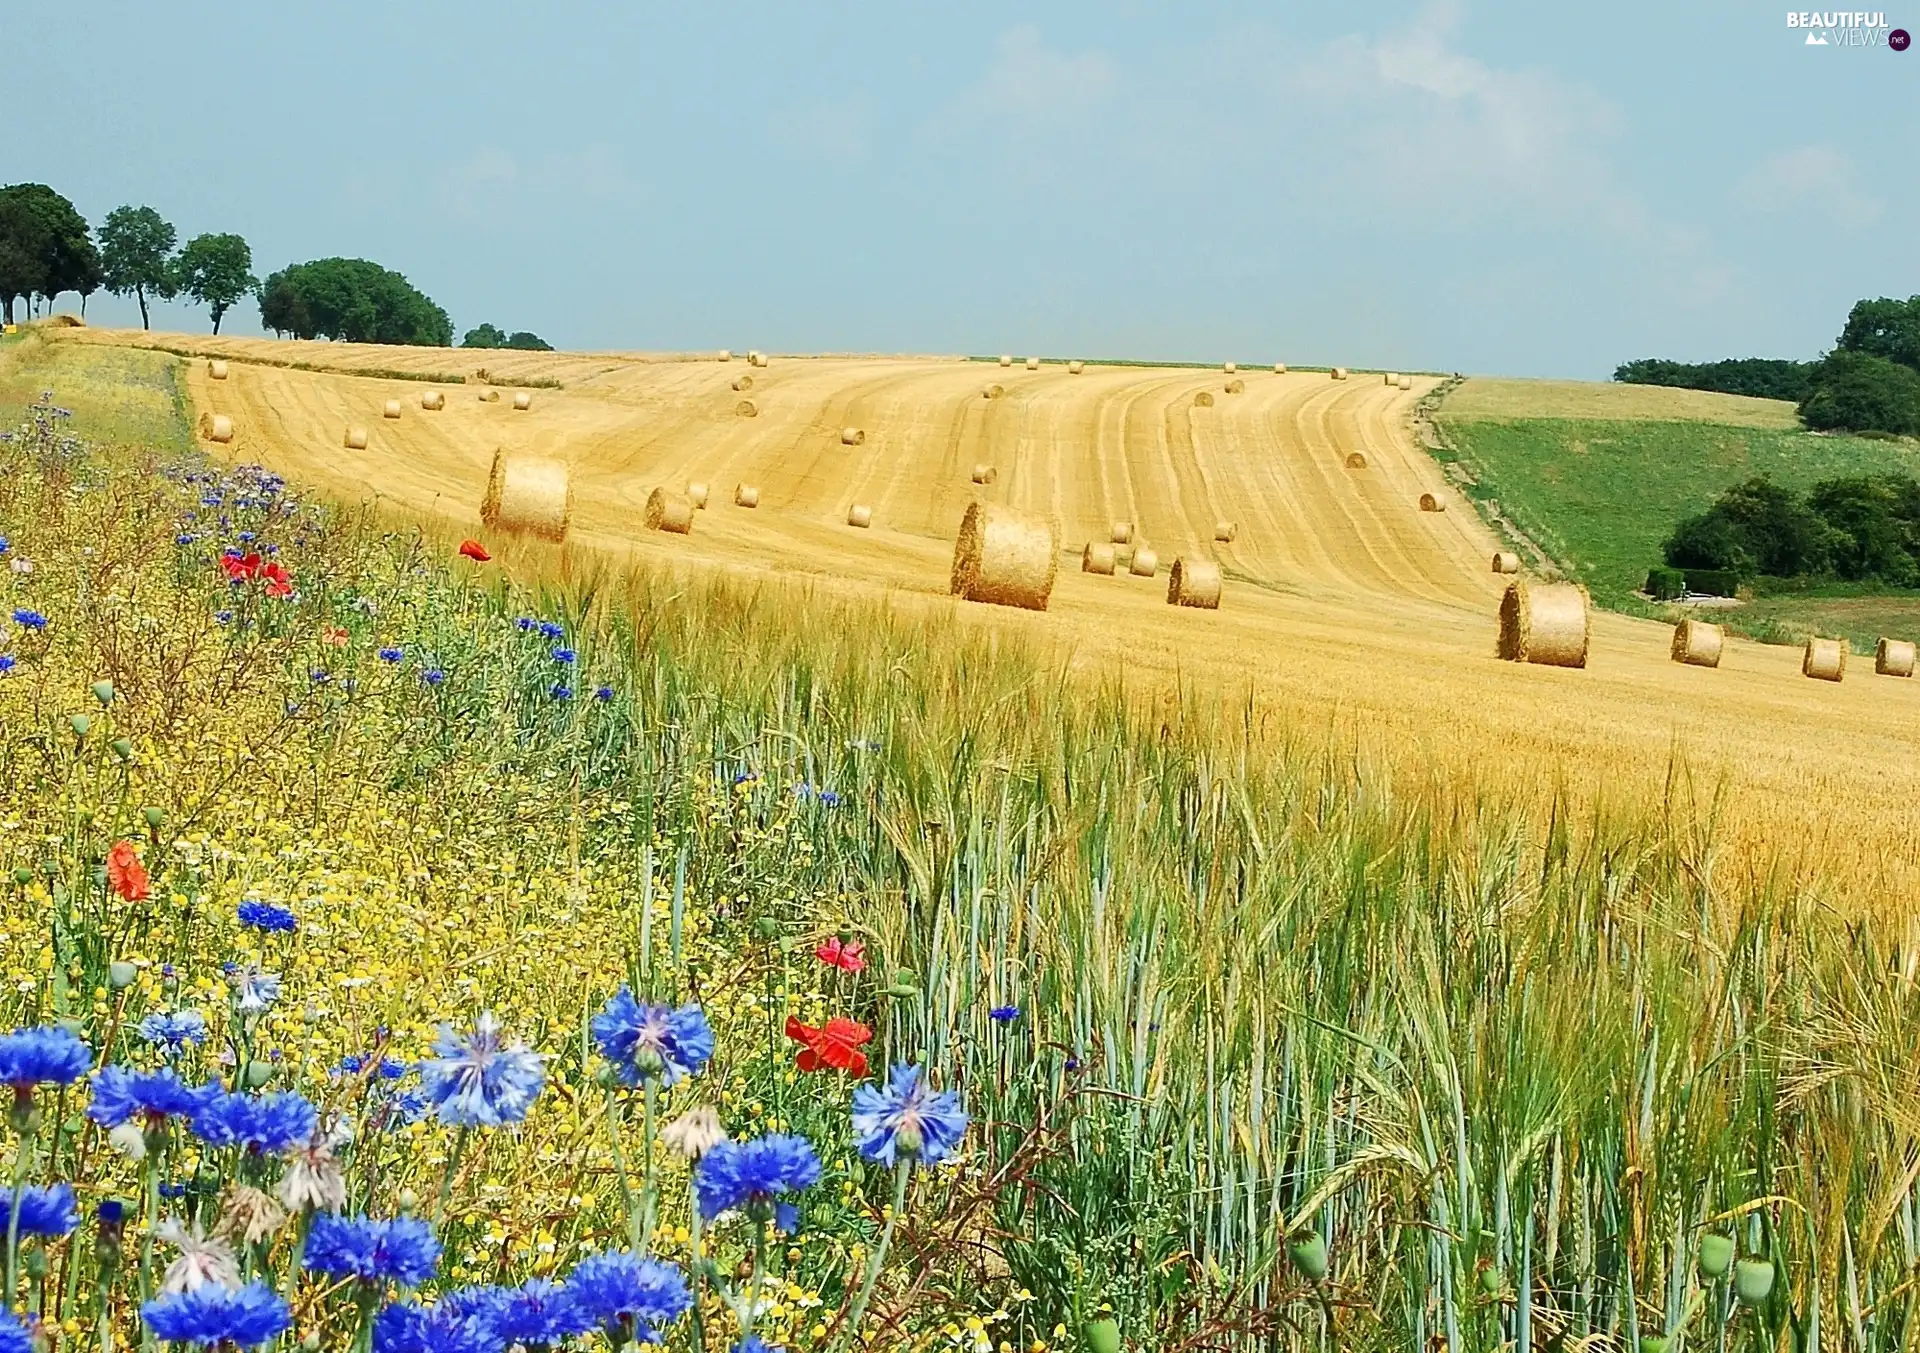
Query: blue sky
pixel 1494 186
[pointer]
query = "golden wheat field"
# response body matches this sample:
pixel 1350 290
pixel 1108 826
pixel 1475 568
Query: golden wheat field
pixel 1347 612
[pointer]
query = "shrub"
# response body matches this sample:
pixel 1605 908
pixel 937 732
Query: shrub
pixel 1855 391
pixel 1714 582
pixel 1664 583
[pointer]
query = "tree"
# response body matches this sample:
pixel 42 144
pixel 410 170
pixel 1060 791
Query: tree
pixel 484 336
pixel 46 246
pixel 1884 328
pixel 1756 527
pixel 352 300
pixel 527 342
pixel 136 248
pixel 216 270
pixel 1870 538
pixel 1766 377
pixel 1861 392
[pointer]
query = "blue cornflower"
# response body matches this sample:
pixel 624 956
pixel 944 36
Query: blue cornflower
pixel 45 1211
pixel 185 538
pixel 215 1316
pixel 561 691
pixel 265 916
pixel 756 1175
pixel 1004 1014
pixel 254 991
pixel 13 1335
pixel 246 537
pixel 5 545
pixel 263 1125
pixel 477 1081
pixel 441 1328
pixel 525 623
pixel 652 1041
pixel 539 1313
pixel 223 617
pixel 392 654
pixel 630 1297
pixel 171 1031
pixel 907 1118
pixel 27 619
pixel 319 676
pixel 353 1064
pixel 603 693
pixel 173 1189
pixel 400 1250
pixel 433 676
pixel 154 1096
pixel 43 1055
pixel 829 798
pixel 549 630
pixel 563 655
pixel 6 663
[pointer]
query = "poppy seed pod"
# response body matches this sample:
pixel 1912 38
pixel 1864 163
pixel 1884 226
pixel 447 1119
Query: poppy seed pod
pixel 80 723
pixel 1309 1255
pixel 120 975
pixel 1715 1255
pixel 1752 1281
pixel 23 876
pixel 103 692
pixel 156 817
pixel 1102 1336
pixel 122 748
pixel 1491 1279
pixel 1655 1343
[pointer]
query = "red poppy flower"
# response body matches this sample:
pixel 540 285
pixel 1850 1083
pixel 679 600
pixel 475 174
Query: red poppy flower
pixel 125 874
pixel 848 955
pixel 475 551
pixel 240 565
pixel 835 1044
pixel 278 583
pixel 334 635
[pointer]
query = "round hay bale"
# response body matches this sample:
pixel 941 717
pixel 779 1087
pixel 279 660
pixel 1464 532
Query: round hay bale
pixel 1391 378
pixel 860 515
pixel 1033 363
pixel 1144 564
pixel 356 438
pixel 1236 386
pixel 391 409
pixel 852 437
pixel 1356 460
pixel 523 400
pixel 216 427
pixel 746 409
pixel 1226 531
pixel 1545 623
pixel 217 369
pixel 743 382
pixel 490 397
pixel 1429 503
pixel 1075 367
pixel 1893 657
pixel 992 391
pixel 1506 561
pixel 1122 532
pixel 1005 558
pixel 747 495
pixel 1005 359
pixel 1279 368
pixel 1339 373
pixel 726 354
pixel 669 511
pixel 985 474
pixel 1697 644
pixel 1405 382
pixel 1824 659
pixel 756 358
pixel 1097 557
pixel 1194 582
pixel 529 494
pixel 697 493
pixel 433 401
pixel 1230 368
pixel 1203 400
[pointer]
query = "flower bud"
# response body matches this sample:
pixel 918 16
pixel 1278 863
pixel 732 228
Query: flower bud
pixel 907 1141
pixel 120 975
pixel 649 1063
pixel 1102 1336
pixel 409 1200
pixel 103 692
pixel 1715 1255
pixel 23 876
pixel 258 1074
pixel 1309 1255
pixel 122 748
pixel 80 723
pixel 766 927
pixel 156 817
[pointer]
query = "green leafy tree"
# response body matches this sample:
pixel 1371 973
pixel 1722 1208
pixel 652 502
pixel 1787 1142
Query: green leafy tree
pixel 46 246
pixel 217 271
pixel 1756 527
pixel 1871 541
pixel 484 336
pixel 136 256
pixel 1862 392
pixel 352 300
pixel 1884 328
pixel 527 342
pixel 1765 377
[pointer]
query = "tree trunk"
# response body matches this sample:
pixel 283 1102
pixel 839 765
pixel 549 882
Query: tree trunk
pixel 141 296
pixel 218 311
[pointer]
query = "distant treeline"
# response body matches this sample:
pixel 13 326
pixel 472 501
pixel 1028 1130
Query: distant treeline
pixel 1870 382
pixel 1861 528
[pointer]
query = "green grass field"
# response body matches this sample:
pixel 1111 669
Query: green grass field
pixel 1598 475
pixel 121 396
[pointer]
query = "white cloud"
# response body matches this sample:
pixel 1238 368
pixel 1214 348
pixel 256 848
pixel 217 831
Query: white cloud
pixel 480 185
pixel 1820 179
pixel 1028 81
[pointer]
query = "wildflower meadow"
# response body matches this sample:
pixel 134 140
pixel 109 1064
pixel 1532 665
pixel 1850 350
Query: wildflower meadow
pixel 409 948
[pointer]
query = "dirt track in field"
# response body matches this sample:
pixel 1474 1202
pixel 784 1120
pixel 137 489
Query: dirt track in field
pixel 1346 608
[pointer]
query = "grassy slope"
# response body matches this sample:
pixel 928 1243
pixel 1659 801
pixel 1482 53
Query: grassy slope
pixel 1599 474
pixel 123 396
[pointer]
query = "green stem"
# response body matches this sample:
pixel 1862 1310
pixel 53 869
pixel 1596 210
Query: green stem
pixel 620 1169
pixel 27 1123
pixel 751 1311
pixel 694 1248
pixel 649 1197
pixel 301 1229
pixel 151 1188
pixel 453 1168
pixel 901 1171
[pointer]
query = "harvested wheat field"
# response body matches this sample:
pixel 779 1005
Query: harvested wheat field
pixel 1352 614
